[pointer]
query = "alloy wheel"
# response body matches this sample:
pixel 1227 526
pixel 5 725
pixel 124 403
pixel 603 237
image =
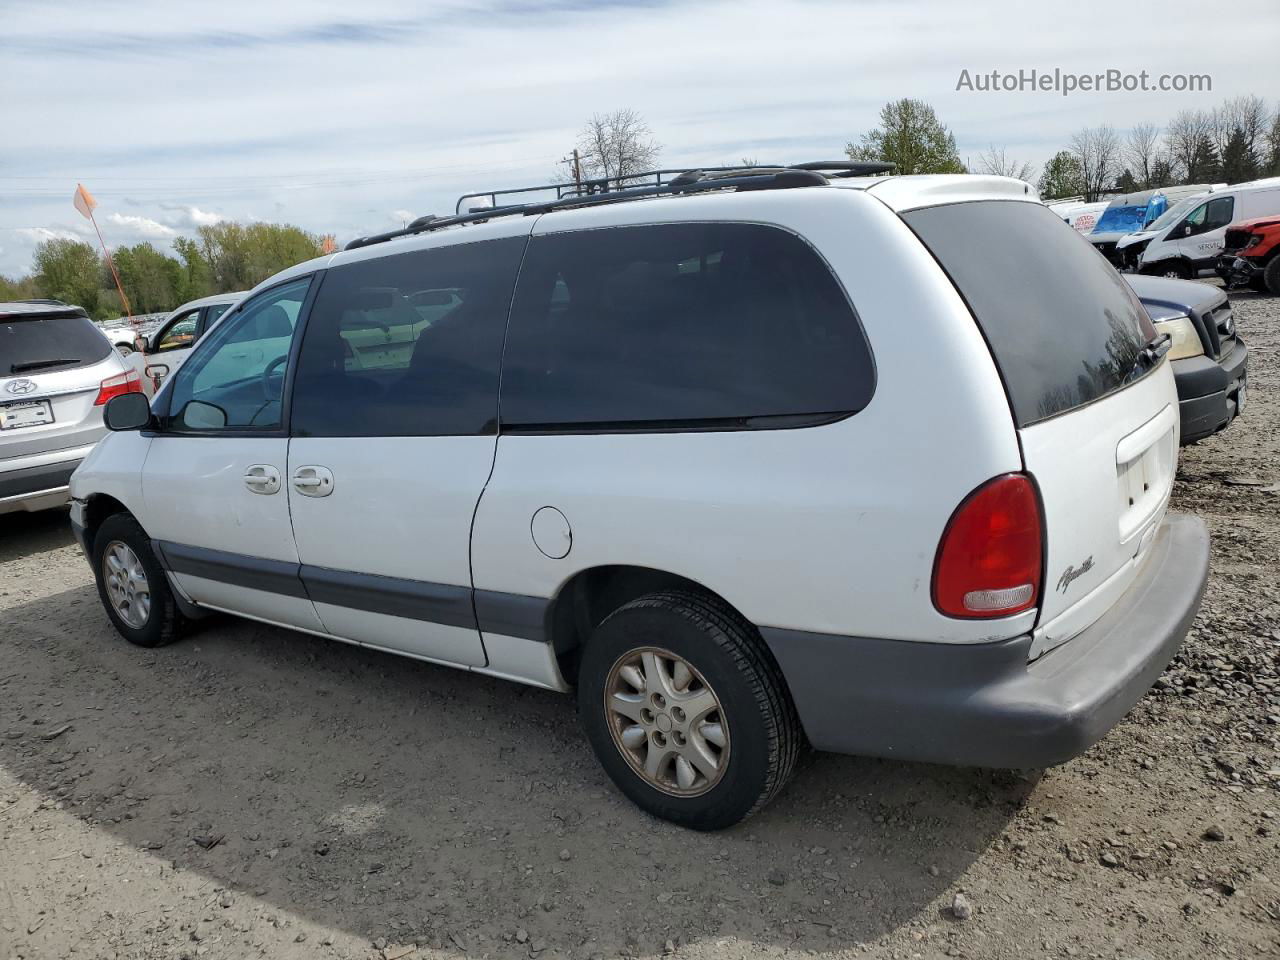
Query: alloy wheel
pixel 667 721
pixel 126 583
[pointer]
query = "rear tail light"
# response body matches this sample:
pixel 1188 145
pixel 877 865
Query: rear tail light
pixel 989 561
pixel 129 382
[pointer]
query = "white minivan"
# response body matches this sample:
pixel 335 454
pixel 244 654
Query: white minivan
pixel 747 458
pixel 1190 245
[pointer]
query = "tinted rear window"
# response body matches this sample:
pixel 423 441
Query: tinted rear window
pixel 30 345
pixel 712 326
pixel 1063 326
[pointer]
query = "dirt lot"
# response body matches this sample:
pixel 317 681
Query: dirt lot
pixel 368 806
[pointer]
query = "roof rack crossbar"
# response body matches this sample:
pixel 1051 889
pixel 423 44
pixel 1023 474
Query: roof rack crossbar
pixel 602 190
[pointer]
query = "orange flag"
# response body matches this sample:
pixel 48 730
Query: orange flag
pixel 84 201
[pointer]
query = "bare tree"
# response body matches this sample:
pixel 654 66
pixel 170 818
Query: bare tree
pixel 1249 114
pixel 1140 152
pixel 1184 139
pixel 617 144
pixel 999 164
pixel 1097 149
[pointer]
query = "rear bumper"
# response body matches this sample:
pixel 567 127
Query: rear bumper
pixel 36 488
pixel 1209 391
pixel 984 704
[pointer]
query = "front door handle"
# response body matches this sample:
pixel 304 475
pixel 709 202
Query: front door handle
pixel 262 478
pixel 313 481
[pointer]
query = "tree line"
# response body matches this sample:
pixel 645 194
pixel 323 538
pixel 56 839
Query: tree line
pixel 1238 140
pixel 220 258
pixel 1235 142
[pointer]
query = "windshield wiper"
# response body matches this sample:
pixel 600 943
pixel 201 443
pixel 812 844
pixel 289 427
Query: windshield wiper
pixel 1150 355
pixel 41 364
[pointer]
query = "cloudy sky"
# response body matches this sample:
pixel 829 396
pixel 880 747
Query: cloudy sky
pixel 346 118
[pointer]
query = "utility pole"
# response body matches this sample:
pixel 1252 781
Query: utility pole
pixel 576 160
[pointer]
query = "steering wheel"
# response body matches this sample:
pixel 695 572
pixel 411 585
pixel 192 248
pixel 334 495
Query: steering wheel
pixel 266 378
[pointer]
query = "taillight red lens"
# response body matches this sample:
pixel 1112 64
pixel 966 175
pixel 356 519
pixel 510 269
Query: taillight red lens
pixel 989 561
pixel 129 382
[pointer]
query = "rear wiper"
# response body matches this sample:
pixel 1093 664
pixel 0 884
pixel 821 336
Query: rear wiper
pixel 41 364
pixel 1150 355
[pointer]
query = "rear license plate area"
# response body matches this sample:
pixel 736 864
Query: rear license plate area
pixel 1144 472
pixel 28 413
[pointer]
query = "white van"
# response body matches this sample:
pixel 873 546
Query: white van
pixel 1081 216
pixel 1191 245
pixel 649 444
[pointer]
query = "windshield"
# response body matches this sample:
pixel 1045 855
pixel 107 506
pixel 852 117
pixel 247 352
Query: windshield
pixel 49 343
pixel 1121 219
pixel 1176 212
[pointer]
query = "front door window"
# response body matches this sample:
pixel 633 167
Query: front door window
pixel 235 377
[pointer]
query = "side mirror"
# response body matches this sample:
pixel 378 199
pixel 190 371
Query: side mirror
pixel 127 411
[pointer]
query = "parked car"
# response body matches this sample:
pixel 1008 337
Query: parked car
pixel 175 333
pixel 1209 358
pixel 1251 255
pixel 1191 246
pixel 125 332
pixel 57 372
pixel 740 481
pixel 1134 213
pixel 171 341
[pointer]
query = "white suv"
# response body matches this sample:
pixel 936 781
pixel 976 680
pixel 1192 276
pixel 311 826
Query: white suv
pixel 748 458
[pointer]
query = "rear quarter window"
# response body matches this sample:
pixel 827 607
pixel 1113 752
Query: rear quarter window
pixel 675 326
pixel 1063 326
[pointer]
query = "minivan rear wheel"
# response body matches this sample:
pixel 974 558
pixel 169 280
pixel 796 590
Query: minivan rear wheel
pixel 132 585
pixel 687 710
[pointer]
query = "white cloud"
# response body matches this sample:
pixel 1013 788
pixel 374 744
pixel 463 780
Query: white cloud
pixel 41 234
pixel 142 226
pixel 203 218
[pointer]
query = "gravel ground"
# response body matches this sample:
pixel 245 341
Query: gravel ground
pixel 254 792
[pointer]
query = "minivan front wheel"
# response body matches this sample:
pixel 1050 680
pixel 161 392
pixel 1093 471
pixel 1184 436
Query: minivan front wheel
pixel 687 710
pixel 132 585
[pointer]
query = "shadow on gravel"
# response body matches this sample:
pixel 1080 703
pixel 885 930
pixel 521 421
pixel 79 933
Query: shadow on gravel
pixel 397 799
pixel 28 533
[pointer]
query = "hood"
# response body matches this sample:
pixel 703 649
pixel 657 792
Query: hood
pixel 1258 223
pixel 1131 238
pixel 1166 298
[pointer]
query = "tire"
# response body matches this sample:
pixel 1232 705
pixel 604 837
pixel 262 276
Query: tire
pixel 758 727
pixel 1271 275
pixel 124 349
pixel 1174 268
pixel 163 622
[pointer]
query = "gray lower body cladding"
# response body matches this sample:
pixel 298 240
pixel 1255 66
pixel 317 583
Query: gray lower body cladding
pixel 984 704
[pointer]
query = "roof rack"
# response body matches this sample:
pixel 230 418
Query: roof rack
pixel 633 186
